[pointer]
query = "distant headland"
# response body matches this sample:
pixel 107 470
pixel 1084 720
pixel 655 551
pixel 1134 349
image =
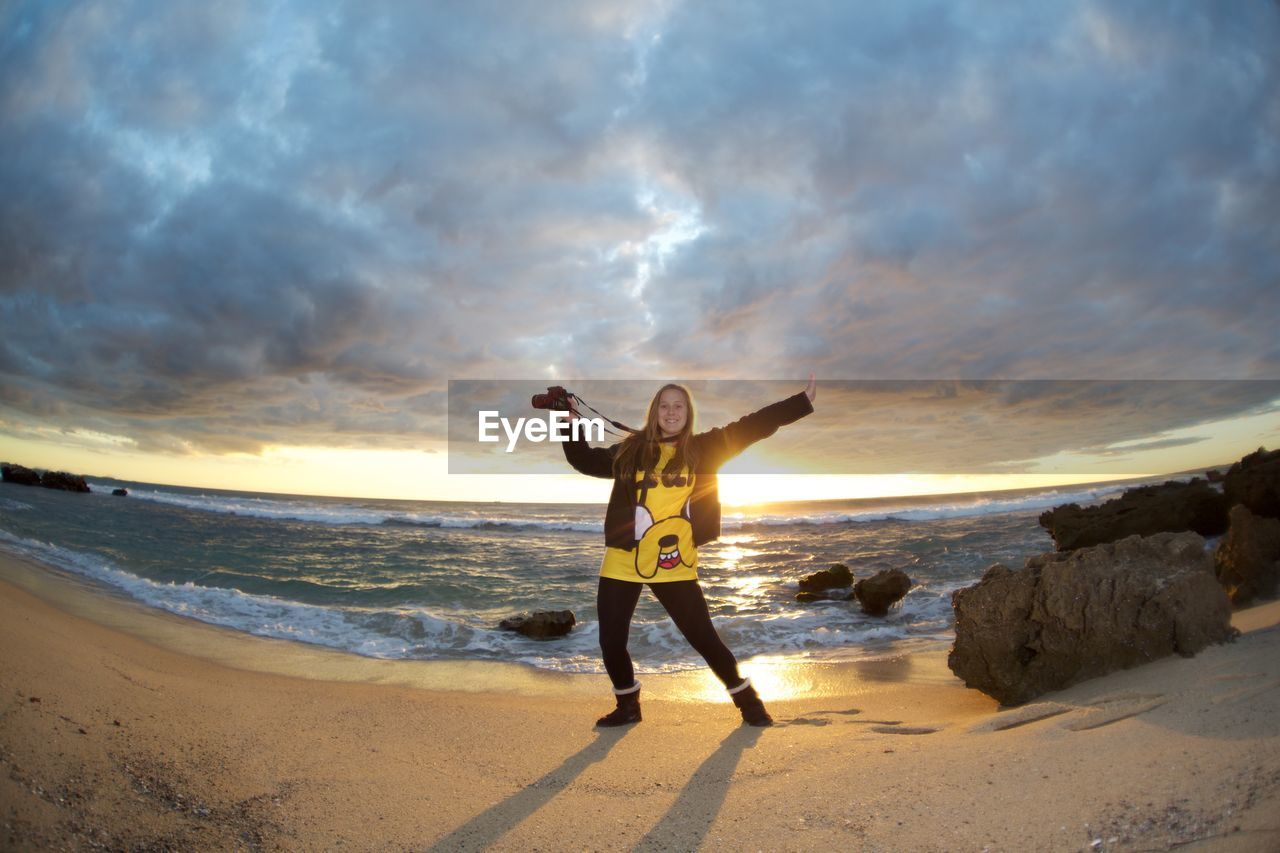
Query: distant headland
pixel 60 480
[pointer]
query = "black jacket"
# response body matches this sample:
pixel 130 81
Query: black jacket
pixel 713 447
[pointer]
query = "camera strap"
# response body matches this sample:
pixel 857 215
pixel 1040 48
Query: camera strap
pixel 620 426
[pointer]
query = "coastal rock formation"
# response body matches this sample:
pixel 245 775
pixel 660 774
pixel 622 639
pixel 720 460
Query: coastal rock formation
pixel 1067 617
pixel 875 594
pixel 833 584
pixel 50 479
pixel 1255 482
pixel 63 481
pixel 1247 560
pixel 1142 511
pixel 120 493
pixel 541 624
pixel 18 474
pixel 833 578
pixel 881 591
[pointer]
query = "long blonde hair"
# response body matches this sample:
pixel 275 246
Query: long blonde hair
pixel 640 450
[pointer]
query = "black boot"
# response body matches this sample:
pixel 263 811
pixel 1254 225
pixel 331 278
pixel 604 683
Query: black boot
pixel 628 710
pixel 748 702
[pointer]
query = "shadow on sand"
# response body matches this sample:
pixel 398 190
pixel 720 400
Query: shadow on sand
pixel 491 824
pixel 686 823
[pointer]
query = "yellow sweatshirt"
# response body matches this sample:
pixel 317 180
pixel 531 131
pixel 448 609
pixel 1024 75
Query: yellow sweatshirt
pixel 664 537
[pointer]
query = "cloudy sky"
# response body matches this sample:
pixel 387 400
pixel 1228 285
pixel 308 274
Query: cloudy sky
pixel 234 232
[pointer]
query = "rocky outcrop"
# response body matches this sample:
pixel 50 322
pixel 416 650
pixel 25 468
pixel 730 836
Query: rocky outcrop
pixel 833 584
pixel 18 474
pixel 63 481
pixel 1171 507
pixel 881 591
pixel 541 624
pixel 1255 482
pixel 1247 560
pixel 833 578
pixel 120 493
pixel 875 594
pixel 1067 617
pixel 49 479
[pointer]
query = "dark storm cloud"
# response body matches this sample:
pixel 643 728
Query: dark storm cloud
pixel 1056 189
pixel 225 226
pixel 236 226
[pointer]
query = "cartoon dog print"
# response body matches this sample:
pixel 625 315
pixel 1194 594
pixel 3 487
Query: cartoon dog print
pixel 663 544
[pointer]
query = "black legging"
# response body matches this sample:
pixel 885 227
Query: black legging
pixel 616 603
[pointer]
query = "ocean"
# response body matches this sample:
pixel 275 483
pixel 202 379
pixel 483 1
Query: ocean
pixel 431 580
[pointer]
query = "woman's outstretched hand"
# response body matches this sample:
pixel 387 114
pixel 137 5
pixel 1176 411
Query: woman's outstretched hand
pixel 812 390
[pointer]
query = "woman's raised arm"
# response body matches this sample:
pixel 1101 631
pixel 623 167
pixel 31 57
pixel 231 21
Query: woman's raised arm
pixel 721 445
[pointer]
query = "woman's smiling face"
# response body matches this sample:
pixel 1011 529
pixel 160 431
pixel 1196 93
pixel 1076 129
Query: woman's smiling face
pixel 673 412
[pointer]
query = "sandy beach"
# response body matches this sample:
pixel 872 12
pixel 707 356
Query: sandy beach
pixel 136 730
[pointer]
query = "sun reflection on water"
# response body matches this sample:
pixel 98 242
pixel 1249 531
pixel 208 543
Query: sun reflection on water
pixel 733 549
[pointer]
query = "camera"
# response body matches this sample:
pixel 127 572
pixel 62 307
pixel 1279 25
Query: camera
pixel 556 398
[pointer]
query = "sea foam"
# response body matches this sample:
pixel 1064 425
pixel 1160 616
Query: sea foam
pixel 341 512
pixel 291 509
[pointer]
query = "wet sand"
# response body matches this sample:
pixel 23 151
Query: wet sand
pixel 125 728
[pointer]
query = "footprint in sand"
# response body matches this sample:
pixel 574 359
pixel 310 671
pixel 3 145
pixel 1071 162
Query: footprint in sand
pixel 1235 676
pixel 890 727
pixel 1113 709
pixel 816 720
pixel 1239 687
pixel 1242 693
pixel 904 730
pixel 1023 715
pixel 1092 715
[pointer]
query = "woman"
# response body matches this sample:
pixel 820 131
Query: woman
pixel 664 505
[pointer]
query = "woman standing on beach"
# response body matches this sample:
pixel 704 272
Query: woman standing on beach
pixel 665 503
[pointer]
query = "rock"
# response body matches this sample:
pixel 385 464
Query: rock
pixel 1145 510
pixel 1067 617
pixel 18 474
pixel 120 493
pixel 1247 560
pixel 1214 476
pixel 1255 482
pixel 838 594
pixel 882 590
pixel 541 625
pixel 833 578
pixel 63 481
